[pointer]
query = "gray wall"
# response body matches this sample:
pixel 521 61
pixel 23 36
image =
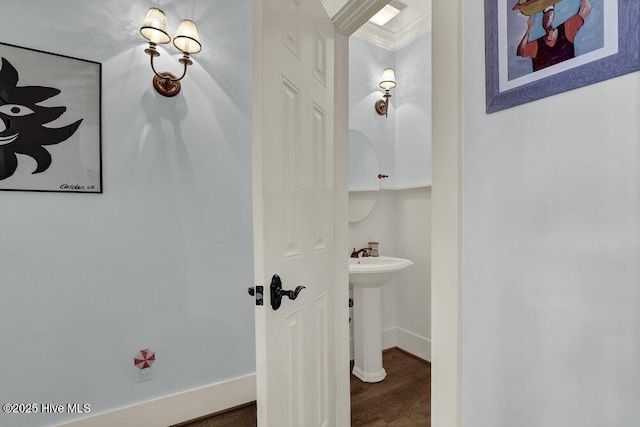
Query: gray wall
pixel 163 258
pixel 551 295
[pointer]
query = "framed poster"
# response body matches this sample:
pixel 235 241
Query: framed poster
pixel 50 122
pixel 539 48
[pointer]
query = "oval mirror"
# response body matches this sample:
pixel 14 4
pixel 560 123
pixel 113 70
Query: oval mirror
pixel 363 176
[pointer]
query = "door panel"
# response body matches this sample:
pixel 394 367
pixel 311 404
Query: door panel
pixel 294 211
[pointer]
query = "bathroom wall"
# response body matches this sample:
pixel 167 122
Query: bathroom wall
pixel 163 258
pixel 412 100
pixel 366 62
pixel 551 243
pixel 400 221
pixel 379 227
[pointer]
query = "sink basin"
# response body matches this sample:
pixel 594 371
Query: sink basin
pixel 372 272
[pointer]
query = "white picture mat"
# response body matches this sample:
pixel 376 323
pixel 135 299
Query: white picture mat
pixel 76 162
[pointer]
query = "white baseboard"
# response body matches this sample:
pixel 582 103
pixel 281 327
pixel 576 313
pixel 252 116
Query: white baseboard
pixel 389 338
pixel 407 341
pixel 413 343
pixel 179 407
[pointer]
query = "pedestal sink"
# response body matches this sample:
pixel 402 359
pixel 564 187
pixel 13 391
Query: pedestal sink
pixel 367 275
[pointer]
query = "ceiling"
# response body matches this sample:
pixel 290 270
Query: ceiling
pixel 411 23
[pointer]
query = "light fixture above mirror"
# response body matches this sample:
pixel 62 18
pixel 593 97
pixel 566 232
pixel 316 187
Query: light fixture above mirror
pixel 186 40
pixel 387 82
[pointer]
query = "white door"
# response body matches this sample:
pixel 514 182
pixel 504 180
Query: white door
pixel 294 211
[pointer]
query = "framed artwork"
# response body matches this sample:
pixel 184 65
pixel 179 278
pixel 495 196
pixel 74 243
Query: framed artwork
pixel 539 48
pixel 50 122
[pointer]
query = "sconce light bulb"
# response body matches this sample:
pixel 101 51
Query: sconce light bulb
pixel 187 40
pixel 388 80
pixel 154 28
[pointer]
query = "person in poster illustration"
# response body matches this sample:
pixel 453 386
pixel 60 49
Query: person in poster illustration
pixel 557 45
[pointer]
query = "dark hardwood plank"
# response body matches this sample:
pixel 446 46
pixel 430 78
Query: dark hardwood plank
pixel 402 399
pixel 241 416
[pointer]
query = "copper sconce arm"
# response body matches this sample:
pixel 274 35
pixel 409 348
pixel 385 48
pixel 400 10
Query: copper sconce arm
pixel 184 60
pixel 382 105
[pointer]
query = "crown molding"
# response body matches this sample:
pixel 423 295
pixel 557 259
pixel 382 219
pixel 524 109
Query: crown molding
pixel 391 40
pixel 354 14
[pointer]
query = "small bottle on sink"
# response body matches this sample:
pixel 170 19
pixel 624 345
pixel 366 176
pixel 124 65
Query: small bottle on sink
pixel 373 248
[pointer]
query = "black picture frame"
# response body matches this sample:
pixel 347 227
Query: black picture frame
pixel 50 122
pixel 626 60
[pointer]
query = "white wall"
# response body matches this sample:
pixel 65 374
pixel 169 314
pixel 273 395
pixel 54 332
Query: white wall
pixel 412 99
pixel 551 301
pixel 413 216
pixel 163 258
pixel 366 63
pixel 379 226
pixel 413 287
pixel 400 220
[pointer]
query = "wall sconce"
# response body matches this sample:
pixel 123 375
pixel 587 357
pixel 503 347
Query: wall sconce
pixel 387 83
pixel 186 41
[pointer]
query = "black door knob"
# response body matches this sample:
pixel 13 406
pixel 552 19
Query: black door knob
pixel 277 292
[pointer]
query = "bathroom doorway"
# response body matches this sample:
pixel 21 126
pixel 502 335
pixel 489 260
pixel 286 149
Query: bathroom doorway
pixel 396 213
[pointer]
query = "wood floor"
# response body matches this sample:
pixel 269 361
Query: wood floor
pixel 402 399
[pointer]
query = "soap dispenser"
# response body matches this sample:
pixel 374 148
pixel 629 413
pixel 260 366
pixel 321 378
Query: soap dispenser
pixel 373 246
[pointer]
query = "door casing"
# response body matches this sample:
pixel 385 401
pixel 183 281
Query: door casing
pixel 446 198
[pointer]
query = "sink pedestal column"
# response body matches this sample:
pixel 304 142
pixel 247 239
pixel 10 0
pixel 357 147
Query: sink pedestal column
pixel 367 331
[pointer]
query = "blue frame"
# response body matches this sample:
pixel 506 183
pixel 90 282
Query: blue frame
pixel 627 60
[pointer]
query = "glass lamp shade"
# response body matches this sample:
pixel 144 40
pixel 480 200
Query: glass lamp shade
pixel 187 40
pixel 388 80
pixel 154 28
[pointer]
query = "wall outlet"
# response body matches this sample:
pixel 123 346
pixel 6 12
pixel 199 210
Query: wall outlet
pixel 145 374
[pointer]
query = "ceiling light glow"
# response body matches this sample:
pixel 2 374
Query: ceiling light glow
pixel 385 15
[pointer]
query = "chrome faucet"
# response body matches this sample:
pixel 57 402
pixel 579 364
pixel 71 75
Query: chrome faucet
pixel 356 254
